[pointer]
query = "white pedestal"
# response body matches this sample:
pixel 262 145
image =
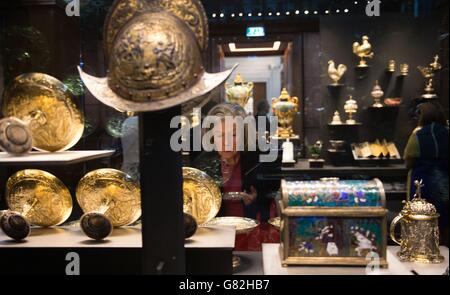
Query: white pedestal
pixel 272 266
pixel 59 158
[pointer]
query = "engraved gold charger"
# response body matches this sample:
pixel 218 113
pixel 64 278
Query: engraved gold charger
pixel 48 108
pixel 41 197
pixel 202 197
pixel 111 192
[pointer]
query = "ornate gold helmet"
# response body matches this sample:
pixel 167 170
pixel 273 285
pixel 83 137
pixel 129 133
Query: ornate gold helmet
pixel 155 56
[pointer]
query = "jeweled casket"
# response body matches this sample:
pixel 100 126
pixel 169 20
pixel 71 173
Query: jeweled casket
pixel 333 222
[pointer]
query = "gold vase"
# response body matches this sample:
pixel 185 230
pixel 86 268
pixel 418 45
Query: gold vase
pixel 284 108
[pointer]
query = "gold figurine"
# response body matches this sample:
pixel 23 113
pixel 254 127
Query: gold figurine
pixel 202 197
pixel 46 108
pixel 377 93
pixel 34 197
pixel 363 51
pixel 109 198
pixel 336 119
pixel 419 230
pixel 428 72
pixel 284 108
pixel 334 73
pixel 351 107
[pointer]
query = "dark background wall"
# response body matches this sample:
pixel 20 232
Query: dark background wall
pixel 409 40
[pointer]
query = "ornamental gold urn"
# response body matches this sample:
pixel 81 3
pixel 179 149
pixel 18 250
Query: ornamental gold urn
pixel 284 108
pixel 239 92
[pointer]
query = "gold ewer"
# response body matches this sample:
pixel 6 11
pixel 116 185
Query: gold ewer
pixel 419 230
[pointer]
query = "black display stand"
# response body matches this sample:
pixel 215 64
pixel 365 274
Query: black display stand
pixel 162 196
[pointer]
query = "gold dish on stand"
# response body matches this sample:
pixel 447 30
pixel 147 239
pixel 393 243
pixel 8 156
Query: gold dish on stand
pixel 202 197
pixel 38 196
pixel 243 225
pixel 111 193
pixel 47 108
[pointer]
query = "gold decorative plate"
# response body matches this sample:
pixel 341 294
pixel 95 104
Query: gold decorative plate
pixel 48 108
pixel 202 198
pixel 39 196
pixel 242 224
pixel 111 192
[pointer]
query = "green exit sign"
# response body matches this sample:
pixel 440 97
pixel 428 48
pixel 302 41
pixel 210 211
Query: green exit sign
pixel 256 32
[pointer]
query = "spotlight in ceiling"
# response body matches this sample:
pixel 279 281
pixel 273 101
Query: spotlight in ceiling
pixel 337 11
pixel 306 11
pixel 222 15
pixel 315 12
pixel 241 14
pixel 250 15
pixel 278 13
pixel 259 14
pixel 269 14
pixel 297 12
pixel 214 15
pixel 233 15
pixel 327 11
pixel 346 10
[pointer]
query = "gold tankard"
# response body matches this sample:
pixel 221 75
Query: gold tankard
pixel 419 230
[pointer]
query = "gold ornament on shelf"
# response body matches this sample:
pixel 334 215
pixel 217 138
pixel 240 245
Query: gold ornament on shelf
pixel 109 198
pixel 404 69
pixel 45 107
pixel 336 119
pixel 363 51
pixel 351 107
pixel 391 66
pixel 284 108
pixel 377 93
pixel 239 92
pixel 419 230
pixel 334 73
pixel 202 197
pixel 34 197
pixel 428 72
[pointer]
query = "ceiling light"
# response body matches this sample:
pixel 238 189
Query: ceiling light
pixel 249 14
pixel 241 14
pixel 222 15
pixel 287 13
pixel 270 13
pixel 276 46
pixel 306 11
pixel 315 11
pixel 297 12
pixel 233 15
pixel 346 10
pixel 278 13
pixel 260 14
pixel 214 15
pixel 337 10
pixel 356 2
pixel 327 11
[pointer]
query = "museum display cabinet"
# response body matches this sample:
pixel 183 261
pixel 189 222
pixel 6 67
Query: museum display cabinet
pixel 106 167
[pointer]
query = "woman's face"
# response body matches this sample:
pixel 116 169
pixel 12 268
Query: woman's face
pixel 222 134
